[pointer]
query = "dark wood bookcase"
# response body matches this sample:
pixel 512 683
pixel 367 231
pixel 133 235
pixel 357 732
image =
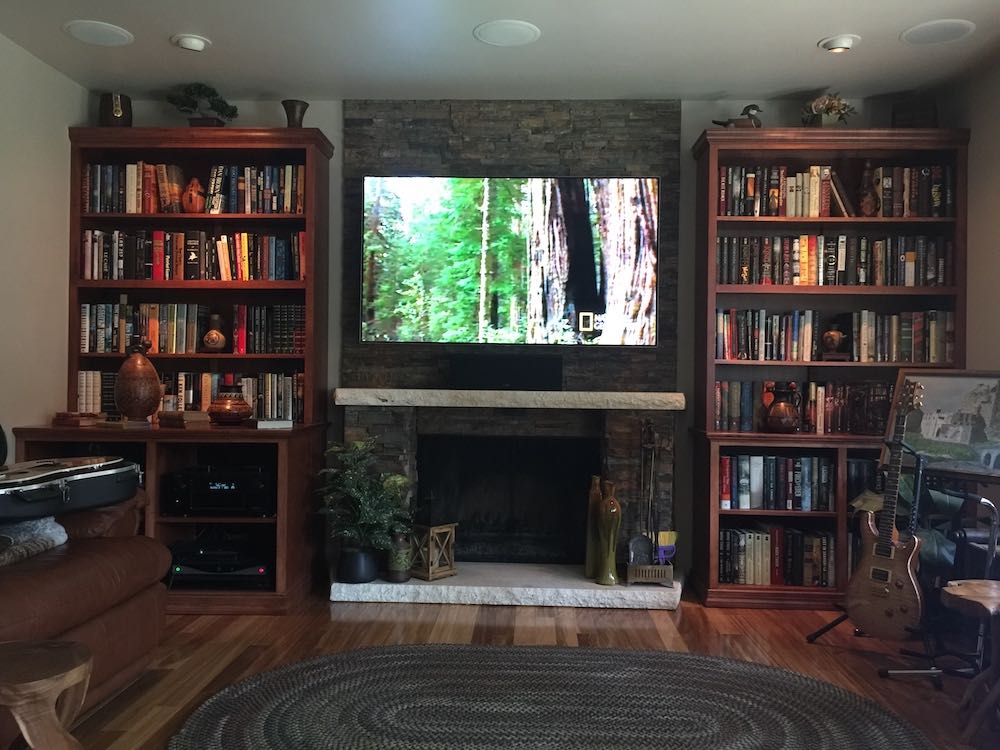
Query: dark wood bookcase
pixel 846 151
pixel 293 455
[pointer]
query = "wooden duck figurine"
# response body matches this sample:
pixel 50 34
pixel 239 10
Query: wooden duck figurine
pixel 747 119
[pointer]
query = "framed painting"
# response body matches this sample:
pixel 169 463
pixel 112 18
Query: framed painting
pixel 957 424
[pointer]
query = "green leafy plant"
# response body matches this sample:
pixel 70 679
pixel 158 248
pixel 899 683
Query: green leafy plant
pixel 828 104
pixel 199 98
pixel 364 507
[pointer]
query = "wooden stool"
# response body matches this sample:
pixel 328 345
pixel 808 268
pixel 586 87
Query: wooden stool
pixel 979 599
pixel 43 683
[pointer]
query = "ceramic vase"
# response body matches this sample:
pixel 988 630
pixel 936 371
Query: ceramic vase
pixel 399 558
pixel 115 110
pixel 214 339
pixel 193 197
pixel 593 543
pixel 609 522
pixel 137 387
pixel 295 110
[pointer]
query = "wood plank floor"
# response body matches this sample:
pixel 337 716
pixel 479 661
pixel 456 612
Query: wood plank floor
pixel 202 654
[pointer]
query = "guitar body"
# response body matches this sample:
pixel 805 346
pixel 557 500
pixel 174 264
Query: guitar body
pixel 883 596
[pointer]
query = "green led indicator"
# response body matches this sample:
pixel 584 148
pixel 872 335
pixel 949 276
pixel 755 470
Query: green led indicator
pixel 177 568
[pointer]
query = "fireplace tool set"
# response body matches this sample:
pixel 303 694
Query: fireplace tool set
pixel 650 553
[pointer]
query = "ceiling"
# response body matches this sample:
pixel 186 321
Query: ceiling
pixel 424 49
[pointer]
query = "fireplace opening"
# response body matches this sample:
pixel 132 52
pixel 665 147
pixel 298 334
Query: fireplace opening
pixel 515 499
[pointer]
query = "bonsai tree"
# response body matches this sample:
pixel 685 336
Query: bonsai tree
pixel 364 507
pixel 198 99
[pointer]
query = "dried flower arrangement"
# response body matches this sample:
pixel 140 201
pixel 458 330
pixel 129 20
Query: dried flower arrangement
pixel 827 104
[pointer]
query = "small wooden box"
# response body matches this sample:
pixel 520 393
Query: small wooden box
pixel 434 551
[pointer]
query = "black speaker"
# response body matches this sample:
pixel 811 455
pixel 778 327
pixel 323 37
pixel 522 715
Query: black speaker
pixel 505 372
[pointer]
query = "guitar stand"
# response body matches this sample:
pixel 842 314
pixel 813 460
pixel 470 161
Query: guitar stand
pixel 817 634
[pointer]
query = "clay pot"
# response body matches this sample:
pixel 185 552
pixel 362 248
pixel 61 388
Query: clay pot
pixel 399 559
pixel 214 339
pixel 229 407
pixel 137 387
pixel 193 198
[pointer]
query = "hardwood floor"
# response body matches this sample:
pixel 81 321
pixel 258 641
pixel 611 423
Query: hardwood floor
pixel 202 654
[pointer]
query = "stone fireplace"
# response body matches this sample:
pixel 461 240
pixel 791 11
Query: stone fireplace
pixel 546 445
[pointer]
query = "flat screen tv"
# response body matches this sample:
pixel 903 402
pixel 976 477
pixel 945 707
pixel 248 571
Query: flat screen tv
pixel 510 260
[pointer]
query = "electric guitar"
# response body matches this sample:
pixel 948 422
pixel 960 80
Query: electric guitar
pixel 883 596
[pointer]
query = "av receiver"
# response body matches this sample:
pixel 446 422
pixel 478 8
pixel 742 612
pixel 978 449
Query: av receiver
pixel 219 491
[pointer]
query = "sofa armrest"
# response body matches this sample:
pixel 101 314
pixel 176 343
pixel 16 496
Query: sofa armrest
pixel 110 521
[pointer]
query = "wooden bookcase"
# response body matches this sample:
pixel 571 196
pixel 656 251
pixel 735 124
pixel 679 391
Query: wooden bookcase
pixel 293 455
pixel 797 149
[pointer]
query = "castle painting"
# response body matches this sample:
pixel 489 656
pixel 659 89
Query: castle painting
pixel 958 421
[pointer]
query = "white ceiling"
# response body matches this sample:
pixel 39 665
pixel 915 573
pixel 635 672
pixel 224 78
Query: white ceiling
pixel 423 49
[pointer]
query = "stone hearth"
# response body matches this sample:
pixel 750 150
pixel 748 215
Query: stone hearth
pixel 516 584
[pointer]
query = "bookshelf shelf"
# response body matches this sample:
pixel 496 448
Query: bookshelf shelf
pixel 201 218
pixel 296 247
pixel 833 220
pixel 734 247
pixel 838 291
pixel 195 355
pixel 780 513
pixel 193 285
pixel 824 363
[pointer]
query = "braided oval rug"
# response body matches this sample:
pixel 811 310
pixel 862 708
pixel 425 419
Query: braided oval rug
pixel 433 697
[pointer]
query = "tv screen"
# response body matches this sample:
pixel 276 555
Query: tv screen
pixel 510 260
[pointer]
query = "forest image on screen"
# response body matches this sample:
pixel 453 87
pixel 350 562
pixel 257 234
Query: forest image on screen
pixel 500 260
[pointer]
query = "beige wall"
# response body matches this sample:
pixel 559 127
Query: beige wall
pixel 976 105
pixel 328 117
pixel 39 103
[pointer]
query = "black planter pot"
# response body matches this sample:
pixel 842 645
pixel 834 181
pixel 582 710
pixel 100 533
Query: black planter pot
pixel 357 566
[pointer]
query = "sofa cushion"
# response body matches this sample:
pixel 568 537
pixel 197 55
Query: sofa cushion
pixel 59 589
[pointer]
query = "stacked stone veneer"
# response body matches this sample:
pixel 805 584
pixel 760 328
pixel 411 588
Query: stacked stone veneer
pixel 476 138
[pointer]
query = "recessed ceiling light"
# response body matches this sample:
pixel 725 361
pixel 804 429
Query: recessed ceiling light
pixel 839 43
pixel 98 32
pixel 191 42
pixel 939 31
pixel 507 33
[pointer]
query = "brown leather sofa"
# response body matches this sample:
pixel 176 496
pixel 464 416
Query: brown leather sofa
pixel 102 588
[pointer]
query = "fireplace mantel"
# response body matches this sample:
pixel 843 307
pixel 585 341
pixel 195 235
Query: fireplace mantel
pixel 439 397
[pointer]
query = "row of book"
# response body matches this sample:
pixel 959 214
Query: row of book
pixel 825 408
pixel 273 395
pixel 920 336
pixel 835 260
pixel 889 191
pixel 178 328
pixel 145 188
pixel 160 255
pixel 765 482
pixel 777 556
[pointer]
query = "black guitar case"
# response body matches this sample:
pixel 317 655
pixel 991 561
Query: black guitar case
pixel 52 486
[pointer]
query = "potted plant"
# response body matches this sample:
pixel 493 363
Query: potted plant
pixel 199 99
pixel 828 109
pixel 364 509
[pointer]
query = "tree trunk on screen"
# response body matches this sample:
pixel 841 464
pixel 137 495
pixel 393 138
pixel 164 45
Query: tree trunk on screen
pixel 484 250
pixel 628 228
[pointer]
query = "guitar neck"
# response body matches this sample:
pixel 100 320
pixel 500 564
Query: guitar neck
pixel 887 521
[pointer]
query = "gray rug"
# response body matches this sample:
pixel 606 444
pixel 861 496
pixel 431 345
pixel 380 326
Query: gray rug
pixel 486 698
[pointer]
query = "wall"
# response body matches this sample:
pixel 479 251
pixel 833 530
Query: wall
pixel 39 104
pixel 512 138
pixel 975 105
pixel 325 115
